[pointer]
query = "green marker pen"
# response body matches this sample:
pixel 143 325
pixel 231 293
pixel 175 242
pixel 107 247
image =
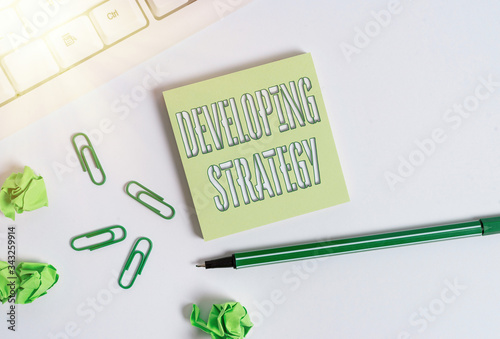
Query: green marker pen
pixel 485 226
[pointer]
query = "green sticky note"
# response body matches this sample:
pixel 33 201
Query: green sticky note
pixel 226 321
pixel 22 192
pixel 256 146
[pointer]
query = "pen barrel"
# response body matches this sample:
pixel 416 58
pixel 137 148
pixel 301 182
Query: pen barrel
pixel 358 244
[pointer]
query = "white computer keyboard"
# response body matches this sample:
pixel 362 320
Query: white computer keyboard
pixel 52 51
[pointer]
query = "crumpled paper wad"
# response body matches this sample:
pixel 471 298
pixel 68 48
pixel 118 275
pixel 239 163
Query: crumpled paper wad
pixel 34 281
pixel 226 321
pixel 22 192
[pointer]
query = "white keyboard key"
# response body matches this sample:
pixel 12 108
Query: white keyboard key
pixel 6 90
pixel 40 16
pixel 10 31
pixel 74 41
pixel 162 7
pixel 116 19
pixel 30 65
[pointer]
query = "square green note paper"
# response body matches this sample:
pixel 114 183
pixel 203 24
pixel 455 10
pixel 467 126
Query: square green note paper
pixel 256 146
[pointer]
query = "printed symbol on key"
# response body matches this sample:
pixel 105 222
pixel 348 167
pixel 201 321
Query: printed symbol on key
pixel 69 39
pixel 112 15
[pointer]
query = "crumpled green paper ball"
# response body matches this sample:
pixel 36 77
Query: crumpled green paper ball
pixel 34 281
pixel 5 282
pixel 22 192
pixel 226 321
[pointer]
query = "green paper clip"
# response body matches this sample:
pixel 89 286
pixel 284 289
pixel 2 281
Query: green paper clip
pixel 153 195
pixel 105 243
pixel 144 258
pixel 83 160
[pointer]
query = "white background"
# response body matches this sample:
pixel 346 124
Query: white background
pixel 394 91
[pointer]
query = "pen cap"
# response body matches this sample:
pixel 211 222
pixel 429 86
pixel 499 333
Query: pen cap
pixel 490 225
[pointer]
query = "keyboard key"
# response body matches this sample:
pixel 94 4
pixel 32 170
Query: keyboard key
pixel 74 41
pixel 6 90
pixel 30 65
pixel 10 31
pixel 40 16
pixel 162 7
pixel 116 19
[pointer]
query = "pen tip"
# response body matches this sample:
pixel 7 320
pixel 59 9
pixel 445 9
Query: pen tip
pixel 200 265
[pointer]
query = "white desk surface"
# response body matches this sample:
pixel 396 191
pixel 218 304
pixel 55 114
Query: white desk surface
pixel 396 90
